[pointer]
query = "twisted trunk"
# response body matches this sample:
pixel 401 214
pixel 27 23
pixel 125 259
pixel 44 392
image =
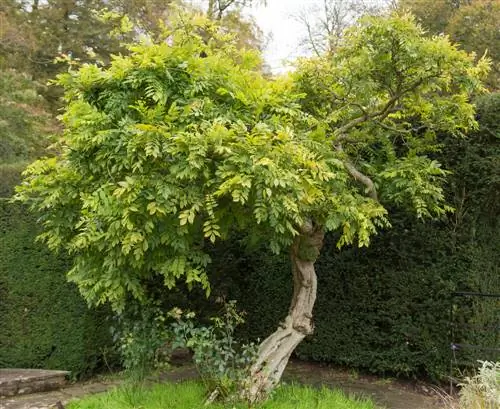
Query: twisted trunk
pixel 275 351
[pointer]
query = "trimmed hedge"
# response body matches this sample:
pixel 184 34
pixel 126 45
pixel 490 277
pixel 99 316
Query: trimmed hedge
pixel 44 321
pixel 10 176
pixel 386 308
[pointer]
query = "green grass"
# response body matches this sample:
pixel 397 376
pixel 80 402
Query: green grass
pixel 191 395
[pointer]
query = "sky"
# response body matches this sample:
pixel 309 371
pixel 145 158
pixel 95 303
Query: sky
pixel 284 33
pixel 277 21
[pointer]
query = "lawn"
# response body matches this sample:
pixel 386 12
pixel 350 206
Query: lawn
pixel 191 395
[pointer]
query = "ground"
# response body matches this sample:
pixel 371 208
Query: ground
pixel 388 393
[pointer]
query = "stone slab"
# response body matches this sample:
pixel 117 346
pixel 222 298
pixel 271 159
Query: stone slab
pixel 26 381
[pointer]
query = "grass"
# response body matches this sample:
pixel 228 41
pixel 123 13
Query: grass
pixel 191 395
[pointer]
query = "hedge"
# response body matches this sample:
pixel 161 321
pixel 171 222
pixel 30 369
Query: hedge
pixel 10 176
pixel 44 321
pixel 386 308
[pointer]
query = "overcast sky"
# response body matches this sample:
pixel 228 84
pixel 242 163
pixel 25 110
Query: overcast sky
pixel 276 20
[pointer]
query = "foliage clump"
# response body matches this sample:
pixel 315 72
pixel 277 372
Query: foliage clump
pixel 482 391
pixel 222 361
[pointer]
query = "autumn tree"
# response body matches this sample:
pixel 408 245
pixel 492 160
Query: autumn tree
pixel 182 143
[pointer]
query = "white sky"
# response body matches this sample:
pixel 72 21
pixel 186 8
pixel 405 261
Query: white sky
pixel 276 21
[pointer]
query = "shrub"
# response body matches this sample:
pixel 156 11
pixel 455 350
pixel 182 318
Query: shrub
pixel 141 336
pixel 44 321
pixel 222 361
pixel 482 391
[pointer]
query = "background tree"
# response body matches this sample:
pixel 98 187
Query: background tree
pixel 471 23
pixel 326 21
pixel 25 123
pixel 176 146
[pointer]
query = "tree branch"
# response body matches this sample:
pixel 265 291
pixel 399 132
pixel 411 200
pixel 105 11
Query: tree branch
pixel 382 114
pixel 358 176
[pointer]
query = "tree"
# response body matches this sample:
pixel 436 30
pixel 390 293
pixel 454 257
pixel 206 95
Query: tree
pixel 471 23
pixel 25 122
pixel 217 8
pixel 184 142
pixel 326 22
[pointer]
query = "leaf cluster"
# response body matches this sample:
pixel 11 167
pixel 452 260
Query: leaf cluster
pixel 221 359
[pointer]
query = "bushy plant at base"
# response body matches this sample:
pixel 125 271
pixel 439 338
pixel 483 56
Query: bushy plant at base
pixel 222 361
pixel 141 336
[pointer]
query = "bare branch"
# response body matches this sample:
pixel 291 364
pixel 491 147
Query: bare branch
pixel 390 107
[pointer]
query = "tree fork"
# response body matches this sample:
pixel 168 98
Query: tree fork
pixel 275 350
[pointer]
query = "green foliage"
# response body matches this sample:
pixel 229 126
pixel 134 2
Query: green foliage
pixel 183 142
pixel 24 119
pixel 222 361
pixel 189 395
pixel 45 322
pixel 386 308
pixel 141 335
pixel 472 24
pixel 385 112
pixel 482 391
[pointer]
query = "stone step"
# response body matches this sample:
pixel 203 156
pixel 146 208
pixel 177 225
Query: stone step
pixel 25 381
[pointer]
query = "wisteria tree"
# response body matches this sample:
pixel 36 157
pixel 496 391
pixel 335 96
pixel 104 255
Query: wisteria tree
pixel 184 142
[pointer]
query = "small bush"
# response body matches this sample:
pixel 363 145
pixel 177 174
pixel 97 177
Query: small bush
pixel 222 361
pixel 482 391
pixel 141 337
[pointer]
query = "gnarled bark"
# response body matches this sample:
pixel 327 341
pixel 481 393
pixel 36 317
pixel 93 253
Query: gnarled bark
pixel 275 351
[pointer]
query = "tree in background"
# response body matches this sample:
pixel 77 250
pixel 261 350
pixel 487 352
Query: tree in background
pixel 471 23
pixel 25 126
pixel 326 21
pixel 180 144
pixel 39 38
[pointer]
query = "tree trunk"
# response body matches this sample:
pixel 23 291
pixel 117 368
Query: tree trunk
pixel 275 351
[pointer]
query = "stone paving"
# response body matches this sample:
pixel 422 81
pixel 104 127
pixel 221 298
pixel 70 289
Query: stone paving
pixel 25 381
pixel 386 393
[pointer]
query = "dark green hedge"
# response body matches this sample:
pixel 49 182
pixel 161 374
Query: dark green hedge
pixel 386 308
pixel 10 176
pixel 44 321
